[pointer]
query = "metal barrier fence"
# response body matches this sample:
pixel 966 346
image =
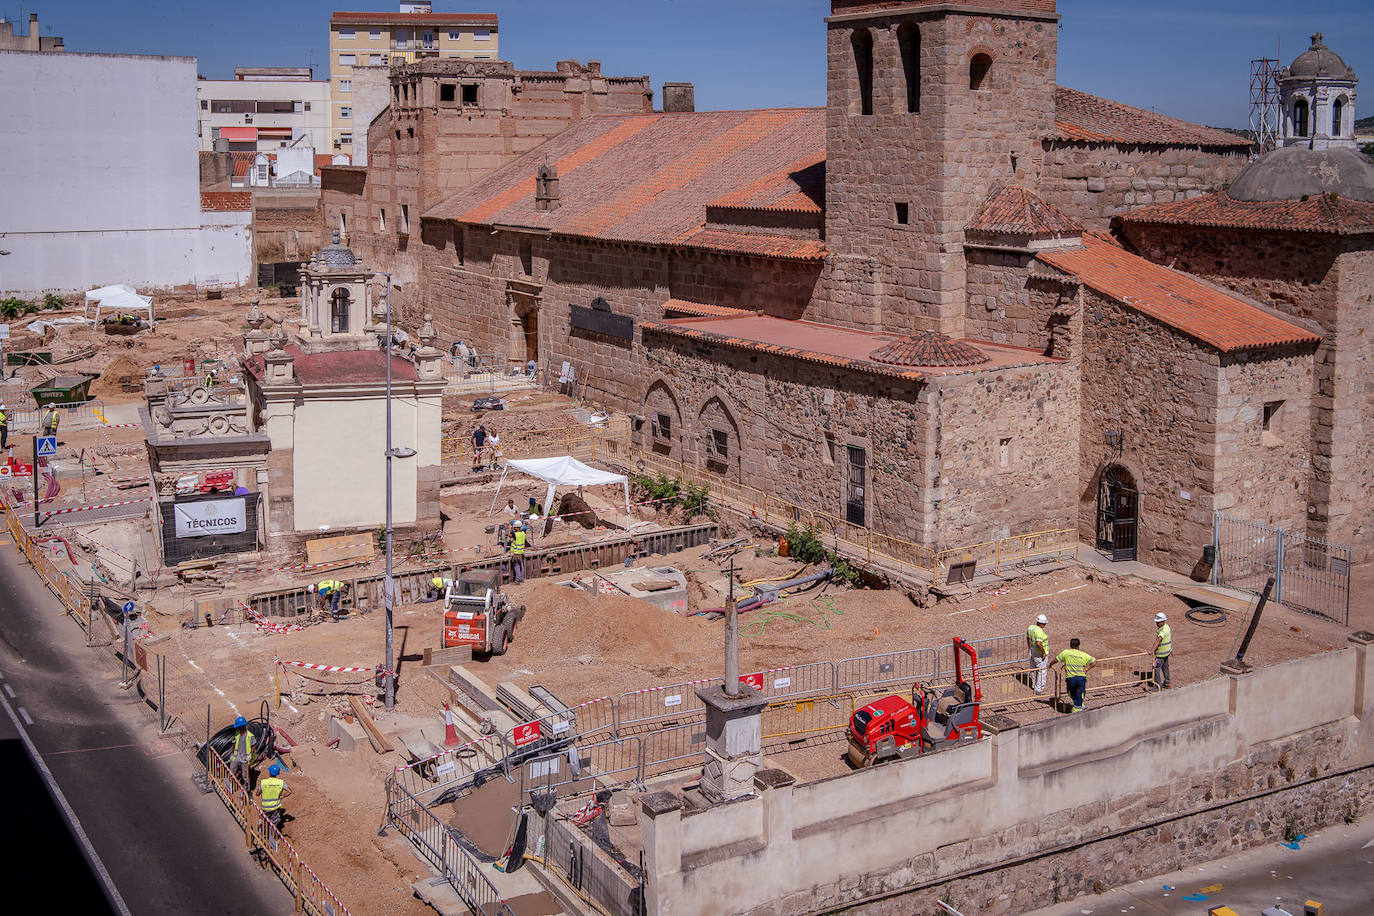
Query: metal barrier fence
pixel 312 896
pixel 800 718
pixel 580 442
pixel 414 821
pixel 993 652
pixel 453 764
pixel 1119 673
pixel 666 750
pixel 30 419
pixel 1310 574
pixel 616 760
pixel 590 872
pixel 910 665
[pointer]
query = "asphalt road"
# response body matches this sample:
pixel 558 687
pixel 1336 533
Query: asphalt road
pixel 130 832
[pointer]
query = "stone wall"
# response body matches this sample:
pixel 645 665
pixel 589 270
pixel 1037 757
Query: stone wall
pixel 1092 182
pixel 287 226
pixel 940 161
pixel 1006 304
pixel 1326 284
pixel 1041 814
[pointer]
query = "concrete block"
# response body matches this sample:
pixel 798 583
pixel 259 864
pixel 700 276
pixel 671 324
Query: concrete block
pixel 350 734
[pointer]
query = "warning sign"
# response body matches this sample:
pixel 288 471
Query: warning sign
pixel 526 734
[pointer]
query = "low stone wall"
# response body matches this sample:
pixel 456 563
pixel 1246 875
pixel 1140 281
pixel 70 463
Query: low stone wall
pixel 1035 815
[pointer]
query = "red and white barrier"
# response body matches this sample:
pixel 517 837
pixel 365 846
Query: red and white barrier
pixel 122 502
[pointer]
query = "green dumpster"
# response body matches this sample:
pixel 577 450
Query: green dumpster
pixel 65 389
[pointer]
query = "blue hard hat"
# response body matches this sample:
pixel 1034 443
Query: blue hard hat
pixel 274 770
pixel 240 722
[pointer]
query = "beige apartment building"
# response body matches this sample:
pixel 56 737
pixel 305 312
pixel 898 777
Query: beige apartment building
pixel 414 32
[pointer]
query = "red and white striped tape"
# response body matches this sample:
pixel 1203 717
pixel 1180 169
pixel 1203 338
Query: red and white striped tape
pixel 331 668
pixel 123 502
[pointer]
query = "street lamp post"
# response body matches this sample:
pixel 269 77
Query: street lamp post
pixel 390 584
pixel 2 342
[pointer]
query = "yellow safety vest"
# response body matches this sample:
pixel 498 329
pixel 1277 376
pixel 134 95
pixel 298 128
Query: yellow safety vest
pixel 437 582
pixel 517 543
pixel 271 792
pixel 1037 638
pixel 4 418
pixel 330 585
pixel 243 745
pixel 1166 642
pixel 51 418
pixel 1075 662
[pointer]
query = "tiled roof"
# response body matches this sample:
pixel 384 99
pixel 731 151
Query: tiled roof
pixel 484 20
pixel 226 200
pixel 344 367
pixel 798 188
pixel 929 349
pixel 1015 211
pixel 1320 214
pixel 1184 303
pixel 678 308
pixel 1079 116
pixel 650 177
pixel 829 345
pixel 321 160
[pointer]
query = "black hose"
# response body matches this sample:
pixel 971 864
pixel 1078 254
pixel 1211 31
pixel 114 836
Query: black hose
pixel 264 742
pixel 1204 615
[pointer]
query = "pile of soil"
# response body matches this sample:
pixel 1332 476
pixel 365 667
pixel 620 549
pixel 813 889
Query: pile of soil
pixel 120 377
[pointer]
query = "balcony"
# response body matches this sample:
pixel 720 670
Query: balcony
pixel 408 52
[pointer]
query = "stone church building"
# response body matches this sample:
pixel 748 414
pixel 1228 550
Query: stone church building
pixel 957 303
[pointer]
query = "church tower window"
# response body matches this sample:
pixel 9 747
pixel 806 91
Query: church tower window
pixel 909 43
pixel 862 40
pixel 978 69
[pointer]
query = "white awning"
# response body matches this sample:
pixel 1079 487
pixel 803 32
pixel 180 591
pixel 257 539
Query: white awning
pixel 119 298
pixel 566 471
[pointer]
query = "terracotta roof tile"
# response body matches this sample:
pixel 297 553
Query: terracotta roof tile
pixel 347 17
pixel 649 178
pixel 685 307
pixel 1319 214
pixel 226 200
pixel 830 345
pixel 1079 116
pixel 800 187
pixel 929 349
pixel 343 367
pixel 1184 303
pixel 1015 211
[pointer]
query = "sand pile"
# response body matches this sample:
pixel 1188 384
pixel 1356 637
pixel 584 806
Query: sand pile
pixel 120 377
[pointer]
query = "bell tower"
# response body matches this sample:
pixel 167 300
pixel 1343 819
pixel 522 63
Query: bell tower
pixel 929 105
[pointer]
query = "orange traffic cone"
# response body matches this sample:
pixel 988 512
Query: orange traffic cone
pixel 450 733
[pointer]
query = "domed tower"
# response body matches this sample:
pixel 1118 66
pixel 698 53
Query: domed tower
pixel 1318 91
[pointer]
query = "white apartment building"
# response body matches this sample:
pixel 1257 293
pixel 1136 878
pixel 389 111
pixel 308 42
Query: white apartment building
pixel 263 109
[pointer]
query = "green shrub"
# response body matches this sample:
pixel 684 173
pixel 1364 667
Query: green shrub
pixel 695 500
pixel 53 302
pixel 804 544
pixel 11 306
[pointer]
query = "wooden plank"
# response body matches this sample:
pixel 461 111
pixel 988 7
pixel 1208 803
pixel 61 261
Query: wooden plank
pixel 374 734
pixel 341 547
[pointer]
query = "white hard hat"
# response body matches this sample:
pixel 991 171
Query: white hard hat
pixel 519 524
pixel 1161 617
pixel 310 588
pixel 1042 619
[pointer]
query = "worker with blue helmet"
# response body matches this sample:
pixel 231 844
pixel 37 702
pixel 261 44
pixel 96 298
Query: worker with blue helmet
pixel 271 790
pixel 242 755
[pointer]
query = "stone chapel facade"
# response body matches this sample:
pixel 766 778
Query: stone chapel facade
pixel 907 308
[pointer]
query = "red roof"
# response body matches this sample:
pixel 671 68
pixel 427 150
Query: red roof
pixel 1182 302
pixel 830 345
pixel 650 177
pixel 798 188
pixel 1321 214
pixel 681 307
pixel 226 200
pixel 1016 211
pixel 483 20
pixel 345 367
pixel 1079 116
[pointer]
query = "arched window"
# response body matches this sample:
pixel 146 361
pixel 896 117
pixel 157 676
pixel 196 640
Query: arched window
pixel 1300 118
pixel 338 311
pixel 1337 110
pixel 978 69
pixel 862 40
pixel 909 43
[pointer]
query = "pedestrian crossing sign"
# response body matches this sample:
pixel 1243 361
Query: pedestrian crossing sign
pixel 47 446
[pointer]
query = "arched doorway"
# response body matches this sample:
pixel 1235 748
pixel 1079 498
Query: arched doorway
pixel 1118 512
pixel 338 311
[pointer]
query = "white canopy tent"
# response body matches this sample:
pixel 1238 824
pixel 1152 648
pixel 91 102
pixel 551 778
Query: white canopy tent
pixel 119 298
pixel 565 471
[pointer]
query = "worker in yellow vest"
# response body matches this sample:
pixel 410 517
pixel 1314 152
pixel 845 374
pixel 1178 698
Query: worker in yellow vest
pixel 272 789
pixel 1038 642
pixel 331 591
pixel 1077 664
pixel 242 753
pixel 438 585
pixel 4 428
pixel 518 542
pixel 50 420
pixel 1164 647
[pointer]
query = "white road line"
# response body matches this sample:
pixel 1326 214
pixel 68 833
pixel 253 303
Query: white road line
pixel 87 849
pixel 10 691
pixel 24 714
pixel 985 607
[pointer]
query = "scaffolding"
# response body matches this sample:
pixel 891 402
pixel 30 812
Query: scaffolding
pixel 1264 104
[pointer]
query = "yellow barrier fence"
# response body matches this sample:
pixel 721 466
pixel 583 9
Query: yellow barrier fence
pixel 1118 675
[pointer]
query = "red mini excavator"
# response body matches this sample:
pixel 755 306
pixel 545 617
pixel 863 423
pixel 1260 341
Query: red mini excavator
pixel 892 728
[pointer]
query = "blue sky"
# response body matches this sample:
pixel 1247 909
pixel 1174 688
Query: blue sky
pixel 1188 58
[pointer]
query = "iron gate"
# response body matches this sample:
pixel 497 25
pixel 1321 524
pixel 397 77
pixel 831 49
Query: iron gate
pixel 1310 574
pixel 1118 513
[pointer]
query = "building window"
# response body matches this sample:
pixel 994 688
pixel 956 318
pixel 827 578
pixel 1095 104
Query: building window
pixel 347 34
pixel 469 93
pixel 527 257
pixel 307 106
pixel 343 225
pixel 1337 110
pixel 345 85
pixel 1271 423
pixel 862 40
pixel 405 218
pixel 1004 453
pixel 978 69
pixel 346 139
pixel 375 34
pixel 909 43
pixel 346 60
pixel 345 111
pixel 482 35
pixel 410 132
pixel 338 312
pixel 375 60
pixel 428 40
pixel 663 427
pixel 447 92
pixel 454 36
pixel 720 445
pixel 381 219
pixel 1300 117
pixel 204 104
pixel 903 213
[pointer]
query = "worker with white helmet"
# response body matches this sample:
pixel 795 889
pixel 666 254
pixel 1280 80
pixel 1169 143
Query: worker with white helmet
pixel 518 541
pixel 1164 647
pixel 4 427
pixel 1039 644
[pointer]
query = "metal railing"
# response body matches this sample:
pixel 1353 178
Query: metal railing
pixel 432 839
pixel 909 665
pixel 1310 574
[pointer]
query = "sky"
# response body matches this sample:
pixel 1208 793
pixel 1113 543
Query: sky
pixel 1186 58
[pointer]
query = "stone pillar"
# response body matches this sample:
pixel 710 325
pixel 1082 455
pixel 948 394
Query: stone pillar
pixel 1364 677
pixel 734 742
pixel 660 824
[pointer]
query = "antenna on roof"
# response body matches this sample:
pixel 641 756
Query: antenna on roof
pixel 1264 103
